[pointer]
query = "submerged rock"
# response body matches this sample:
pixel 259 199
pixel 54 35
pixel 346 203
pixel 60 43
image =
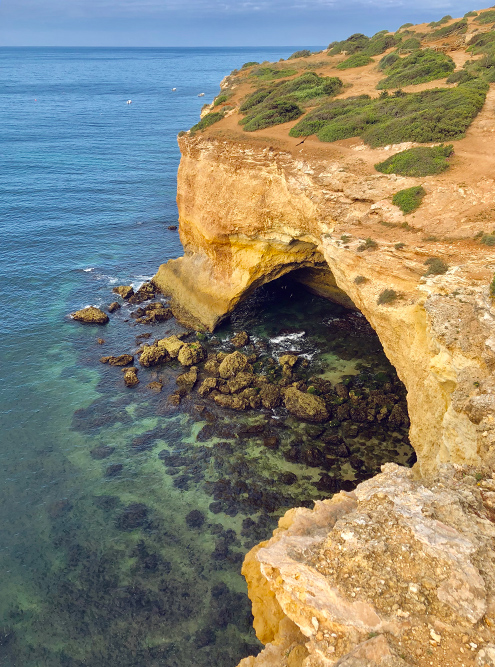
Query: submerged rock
pixel 115 305
pixel 191 353
pixel 240 339
pixel 270 396
pixel 305 406
pixel 172 344
pixel 232 364
pixel 207 386
pixel 235 402
pixel 155 386
pixel 130 376
pixel 125 291
pixel 152 355
pixel 90 315
pixel 187 380
pixel 121 360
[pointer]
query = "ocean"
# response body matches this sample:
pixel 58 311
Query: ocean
pixel 119 545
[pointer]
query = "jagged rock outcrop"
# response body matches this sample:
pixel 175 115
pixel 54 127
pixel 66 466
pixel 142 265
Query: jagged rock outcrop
pixel 250 213
pixel 399 572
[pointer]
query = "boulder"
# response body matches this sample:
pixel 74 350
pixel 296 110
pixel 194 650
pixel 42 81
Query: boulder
pixel 191 353
pixel 212 367
pixel 233 402
pixel 175 399
pixel 155 386
pixel 187 380
pixel 232 364
pixel 240 381
pixel 125 291
pixel 172 344
pixel 207 386
pixel 152 355
pixel 130 376
pixel 289 360
pixel 270 396
pixel 240 339
pixel 144 293
pixel 122 360
pixel 90 315
pixel 305 406
pixel 115 305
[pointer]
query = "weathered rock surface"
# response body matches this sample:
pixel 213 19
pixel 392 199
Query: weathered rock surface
pixel 121 360
pixel 130 376
pixel 187 380
pixel 125 291
pixel 172 344
pixel 191 353
pixel 90 315
pixel 305 406
pixel 232 364
pixel 400 572
pixel 240 339
pixel 115 305
pixel 152 355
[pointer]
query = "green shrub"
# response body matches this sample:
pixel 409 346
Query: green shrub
pixel 427 116
pixel 380 43
pixel 356 60
pixel 207 120
pixel 388 60
pixel 369 244
pixel 270 73
pixel 304 53
pixel 488 239
pixel 436 24
pixel 410 199
pixel 405 26
pixel 468 15
pixel 480 42
pixel 419 67
pixel 411 44
pixel 492 287
pixel 280 102
pixel 458 27
pixel 251 63
pixel 387 296
pixel 271 113
pixel 353 44
pixel 223 97
pixel 486 17
pixel 421 161
pixel 360 280
pixel 436 266
pixel 461 76
pixel 399 246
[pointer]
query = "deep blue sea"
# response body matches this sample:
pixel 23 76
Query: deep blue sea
pixel 101 561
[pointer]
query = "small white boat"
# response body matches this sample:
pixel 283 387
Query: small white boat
pixel 129 101
pixel 174 89
pixel 201 95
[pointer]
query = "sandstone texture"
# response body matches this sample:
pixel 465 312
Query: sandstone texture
pixel 399 572
pixel 305 406
pixel 251 213
pixel 90 315
pixel 130 376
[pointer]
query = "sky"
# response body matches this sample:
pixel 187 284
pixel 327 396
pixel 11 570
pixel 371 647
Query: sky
pixel 208 22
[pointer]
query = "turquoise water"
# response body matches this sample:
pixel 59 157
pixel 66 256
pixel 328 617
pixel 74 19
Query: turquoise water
pixel 124 521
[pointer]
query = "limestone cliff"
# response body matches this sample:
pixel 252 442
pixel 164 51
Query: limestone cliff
pixel 397 573
pixel 256 206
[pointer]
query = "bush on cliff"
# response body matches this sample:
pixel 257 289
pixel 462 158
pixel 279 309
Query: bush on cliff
pixel 419 67
pixel 304 53
pixel 409 45
pixel 436 266
pixel 410 199
pixel 207 120
pixel 421 161
pixel 353 44
pixel 356 60
pixel 280 102
pixel 271 113
pixel 427 116
pixel 270 73
pixel 458 27
pixel 486 17
pixel 492 287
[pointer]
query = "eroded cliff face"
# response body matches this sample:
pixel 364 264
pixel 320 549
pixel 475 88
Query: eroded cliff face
pixel 250 212
pixel 397 573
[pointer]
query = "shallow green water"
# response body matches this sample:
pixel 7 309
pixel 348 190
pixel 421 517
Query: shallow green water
pixel 127 548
